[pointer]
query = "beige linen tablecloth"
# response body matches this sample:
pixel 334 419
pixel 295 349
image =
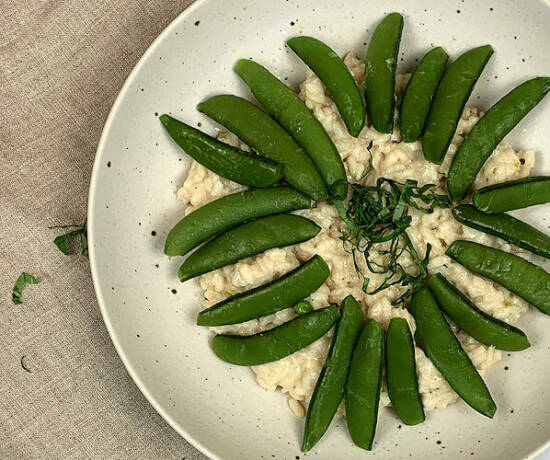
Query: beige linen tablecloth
pixel 62 63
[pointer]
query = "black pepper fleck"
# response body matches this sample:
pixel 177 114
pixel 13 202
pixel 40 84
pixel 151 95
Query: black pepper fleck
pixel 506 368
pixel 458 11
pixel 292 23
pixel 153 233
pixel 137 335
pixel 522 161
pixel 174 291
pixel 156 114
pixel 108 164
pixel 197 23
pixel 438 442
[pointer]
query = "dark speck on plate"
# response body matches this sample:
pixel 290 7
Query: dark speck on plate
pixel 154 233
pixel 108 164
pixel 197 23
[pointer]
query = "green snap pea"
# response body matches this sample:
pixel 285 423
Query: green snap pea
pixel 506 227
pixel 487 133
pixel 436 338
pixel 380 66
pixel 268 298
pixel 303 307
pixel 511 195
pixel 226 212
pixel 248 240
pixel 419 94
pixel 289 110
pixel 523 278
pixel 227 161
pixel 401 373
pixel 330 387
pixel 363 386
pixel 265 136
pixel 472 320
pixel 336 77
pixel 449 101
pixel 275 343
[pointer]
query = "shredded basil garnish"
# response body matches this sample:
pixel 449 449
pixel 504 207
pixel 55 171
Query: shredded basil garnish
pixel 62 241
pixel 380 214
pixel 20 284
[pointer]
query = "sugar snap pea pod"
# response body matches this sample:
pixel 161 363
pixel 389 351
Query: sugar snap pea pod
pixel 380 66
pixel 268 298
pixel 227 161
pixel 226 212
pixel 511 195
pixel 449 101
pixel 523 278
pixel 472 320
pixel 264 135
pixel 275 343
pixel 401 373
pixel 248 240
pixel 506 227
pixel 363 386
pixel 336 77
pixel 289 110
pixel 487 133
pixel 419 94
pixel 330 387
pixel 436 338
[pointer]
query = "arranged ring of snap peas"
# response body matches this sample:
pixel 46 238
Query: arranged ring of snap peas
pixel 265 136
pixel 506 227
pixel 487 133
pixel 275 343
pixel 336 77
pixel 449 101
pixel 290 111
pixel 268 298
pixel 330 387
pixel 380 66
pixel 227 161
pixel 436 338
pixel 511 195
pixel 419 94
pixel 527 280
pixel 226 212
pixel 363 385
pixel 247 240
pixel 401 373
pixel 475 322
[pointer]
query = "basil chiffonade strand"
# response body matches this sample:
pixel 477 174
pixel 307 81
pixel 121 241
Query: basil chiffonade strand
pixel 472 320
pixel 363 386
pixel 247 240
pixel 489 131
pixel 336 77
pixel 275 343
pixel 523 278
pixel 269 298
pixel 380 67
pixel 265 136
pixel 436 338
pixel 290 111
pixel 449 101
pixel 401 373
pixel 506 227
pixel 511 195
pixel 227 161
pixel 419 94
pixel 330 387
pixel 231 210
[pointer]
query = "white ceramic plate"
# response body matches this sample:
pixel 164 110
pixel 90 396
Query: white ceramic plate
pixel 219 408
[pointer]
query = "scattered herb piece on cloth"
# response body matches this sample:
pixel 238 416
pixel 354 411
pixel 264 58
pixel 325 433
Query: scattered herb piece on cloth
pixel 20 284
pixel 62 241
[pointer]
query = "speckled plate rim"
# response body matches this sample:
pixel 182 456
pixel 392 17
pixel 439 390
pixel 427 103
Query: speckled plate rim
pixel 91 238
pixel 91 234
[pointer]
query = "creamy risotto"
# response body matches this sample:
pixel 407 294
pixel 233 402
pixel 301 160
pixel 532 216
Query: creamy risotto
pixel 296 374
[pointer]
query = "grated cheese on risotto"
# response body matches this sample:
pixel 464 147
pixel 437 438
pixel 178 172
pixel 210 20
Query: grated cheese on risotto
pixel 296 374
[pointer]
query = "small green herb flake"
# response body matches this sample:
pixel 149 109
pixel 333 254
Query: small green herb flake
pixel 62 241
pixel 20 284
